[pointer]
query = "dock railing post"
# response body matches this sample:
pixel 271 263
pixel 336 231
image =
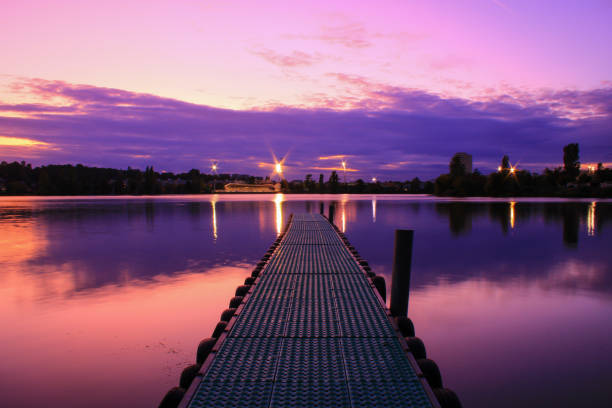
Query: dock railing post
pixel 400 278
pixel 321 208
pixel 332 208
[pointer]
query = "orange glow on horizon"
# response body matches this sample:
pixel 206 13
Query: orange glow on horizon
pixel 335 157
pixel 333 169
pixel 21 142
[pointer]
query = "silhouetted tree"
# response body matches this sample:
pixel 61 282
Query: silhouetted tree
pixel 505 163
pixel 333 182
pixel 150 179
pixel 571 165
pixel 308 183
pixel 321 185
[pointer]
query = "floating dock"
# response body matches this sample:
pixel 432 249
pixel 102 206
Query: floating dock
pixel 311 331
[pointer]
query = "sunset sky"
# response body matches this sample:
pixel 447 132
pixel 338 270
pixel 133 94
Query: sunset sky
pixel 394 87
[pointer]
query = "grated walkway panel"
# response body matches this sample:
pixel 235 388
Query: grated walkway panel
pixel 312 333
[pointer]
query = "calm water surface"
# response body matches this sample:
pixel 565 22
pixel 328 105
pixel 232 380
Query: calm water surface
pixel 104 300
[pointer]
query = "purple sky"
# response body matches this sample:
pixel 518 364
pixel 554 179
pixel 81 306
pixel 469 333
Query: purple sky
pixel 396 87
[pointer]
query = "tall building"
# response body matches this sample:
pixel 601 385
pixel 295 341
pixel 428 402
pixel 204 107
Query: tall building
pixel 465 159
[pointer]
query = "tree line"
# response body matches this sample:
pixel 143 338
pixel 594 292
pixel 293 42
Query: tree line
pixel 508 181
pixel 18 178
pixel 333 185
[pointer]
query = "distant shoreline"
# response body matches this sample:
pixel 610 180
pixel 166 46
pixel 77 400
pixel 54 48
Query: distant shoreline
pixel 322 195
pixel 21 179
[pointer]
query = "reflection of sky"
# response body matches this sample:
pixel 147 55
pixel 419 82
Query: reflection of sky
pixel 141 281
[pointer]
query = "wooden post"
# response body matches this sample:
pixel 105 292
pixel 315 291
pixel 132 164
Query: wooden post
pixel 321 208
pixel 400 278
pixel 332 208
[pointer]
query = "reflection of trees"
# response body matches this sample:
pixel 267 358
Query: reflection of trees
pixel 570 225
pixel 569 214
pixel 195 209
pixel 603 215
pixel 459 215
pixel 500 213
pixel 150 213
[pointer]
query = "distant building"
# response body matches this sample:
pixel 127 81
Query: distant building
pixel 465 159
pixel 252 188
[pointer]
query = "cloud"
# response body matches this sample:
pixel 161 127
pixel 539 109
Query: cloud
pixel 295 59
pixel 350 35
pixel 337 169
pixel 21 142
pixel 502 5
pixel 334 157
pixel 386 131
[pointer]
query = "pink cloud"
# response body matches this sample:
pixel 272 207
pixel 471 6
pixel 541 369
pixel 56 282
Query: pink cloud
pixel 294 59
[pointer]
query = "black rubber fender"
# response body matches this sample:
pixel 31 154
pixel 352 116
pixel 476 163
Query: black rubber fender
pixel 431 372
pixel 227 314
pixel 405 326
pixel 447 398
pixel 235 301
pixel 204 349
pixel 172 398
pixel 219 329
pixel 188 374
pixel 416 347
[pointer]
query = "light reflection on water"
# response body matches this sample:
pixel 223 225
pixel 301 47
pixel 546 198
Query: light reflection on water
pixel 512 298
pixel 213 203
pixel 278 212
pixel 591 219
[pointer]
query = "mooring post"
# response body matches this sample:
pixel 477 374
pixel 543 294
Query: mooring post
pixel 332 209
pixel 321 208
pixel 400 278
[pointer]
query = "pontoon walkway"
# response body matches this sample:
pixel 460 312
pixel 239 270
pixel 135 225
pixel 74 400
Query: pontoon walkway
pixel 311 332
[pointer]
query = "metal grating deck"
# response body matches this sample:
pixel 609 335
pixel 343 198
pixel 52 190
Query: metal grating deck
pixel 312 333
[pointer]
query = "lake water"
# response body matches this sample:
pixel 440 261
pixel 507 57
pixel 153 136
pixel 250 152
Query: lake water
pixel 104 300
